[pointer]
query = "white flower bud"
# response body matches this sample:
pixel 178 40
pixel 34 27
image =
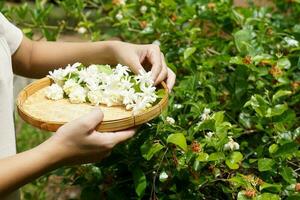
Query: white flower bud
pixel 81 30
pixel 231 145
pixel 119 16
pixel 143 9
pixel 170 120
pixel 157 42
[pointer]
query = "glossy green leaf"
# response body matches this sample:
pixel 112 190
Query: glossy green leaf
pixel 216 156
pixel 148 149
pixel 265 164
pixel 281 93
pixel 140 182
pixel 267 196
pixel 287 174
pixel 202 157
pixel 234 160
pixel 189 51
pixel 178 139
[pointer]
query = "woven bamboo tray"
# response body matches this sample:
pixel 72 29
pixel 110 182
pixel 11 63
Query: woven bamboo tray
pixel 37 110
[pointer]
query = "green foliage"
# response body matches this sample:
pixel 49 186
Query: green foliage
pixel 238 83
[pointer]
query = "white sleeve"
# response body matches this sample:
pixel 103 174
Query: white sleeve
pixel 11 33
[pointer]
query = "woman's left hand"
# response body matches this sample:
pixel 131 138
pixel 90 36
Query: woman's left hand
pixel 136 56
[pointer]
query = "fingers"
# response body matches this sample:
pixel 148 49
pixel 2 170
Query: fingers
pixel 164 71
pixel 171 79
pixel 121 136
pixel 85 123
pixel 154 57
pixel 136 66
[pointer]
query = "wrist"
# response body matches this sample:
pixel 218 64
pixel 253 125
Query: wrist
pixel 115 47
pixel 51 153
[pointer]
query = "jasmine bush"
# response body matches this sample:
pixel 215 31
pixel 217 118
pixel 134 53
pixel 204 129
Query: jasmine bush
pixel 232 128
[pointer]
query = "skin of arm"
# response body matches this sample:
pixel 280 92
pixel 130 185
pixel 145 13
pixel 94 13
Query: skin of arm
pixel 74 143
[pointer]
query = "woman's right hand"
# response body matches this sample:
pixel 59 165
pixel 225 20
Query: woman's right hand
pixel 77 142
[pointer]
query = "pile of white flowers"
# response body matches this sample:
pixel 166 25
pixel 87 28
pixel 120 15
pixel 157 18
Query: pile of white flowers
pixel 101 84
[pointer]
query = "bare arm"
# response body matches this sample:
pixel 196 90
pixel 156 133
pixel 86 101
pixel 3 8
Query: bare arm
pixel 36 59
pixel 24 167
pixel 74 143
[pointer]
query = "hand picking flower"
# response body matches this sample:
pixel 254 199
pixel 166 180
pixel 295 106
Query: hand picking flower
pixel 101 84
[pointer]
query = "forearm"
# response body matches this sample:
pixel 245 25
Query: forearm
pixel 22 168
pixel 38 58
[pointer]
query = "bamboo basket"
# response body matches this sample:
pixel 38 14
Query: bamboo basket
pixel 113 123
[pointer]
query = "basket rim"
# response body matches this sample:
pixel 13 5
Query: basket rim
pixel 161 105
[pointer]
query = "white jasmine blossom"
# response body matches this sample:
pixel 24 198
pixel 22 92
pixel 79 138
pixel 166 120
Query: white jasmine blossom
pixel 231 145
pixel 121 70
pixel 95 97
pixel 157 42
pixel 144 78
pixel 78 95
pixel 291 42
pixel 209 134
pixel 58 76
pixel 100 84
pixel 55 92
pixel 177 106
pixel 69 86
pixel 170 120
pixel 205 115
pixel 81 30
pixel 119 16
pixel 163 176
pixel 143 9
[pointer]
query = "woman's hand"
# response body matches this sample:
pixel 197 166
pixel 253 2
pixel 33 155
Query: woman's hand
pixel 136 56
pixel 77 142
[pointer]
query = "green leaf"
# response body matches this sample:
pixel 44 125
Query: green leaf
pixel 218 117
pixel 216 156
pixel 160 93
pixel 280 93
pixel 277 110
pixel 265 164
pixel 234 160
pixel 273 148
pixel 202 157
pixel 178 139
pixel 270 187
pixel 148 149
pixel 242 39
pixel 287 174
pixel 139 180
pixel 259 104
pixel 105 69
pixel 241 196
pixel 188 52
pixel 239 181
pixel 287 149
pixel 284 63
pixel 268 196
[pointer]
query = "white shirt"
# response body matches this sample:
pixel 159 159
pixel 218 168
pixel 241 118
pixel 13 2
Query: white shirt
pixel 10 39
